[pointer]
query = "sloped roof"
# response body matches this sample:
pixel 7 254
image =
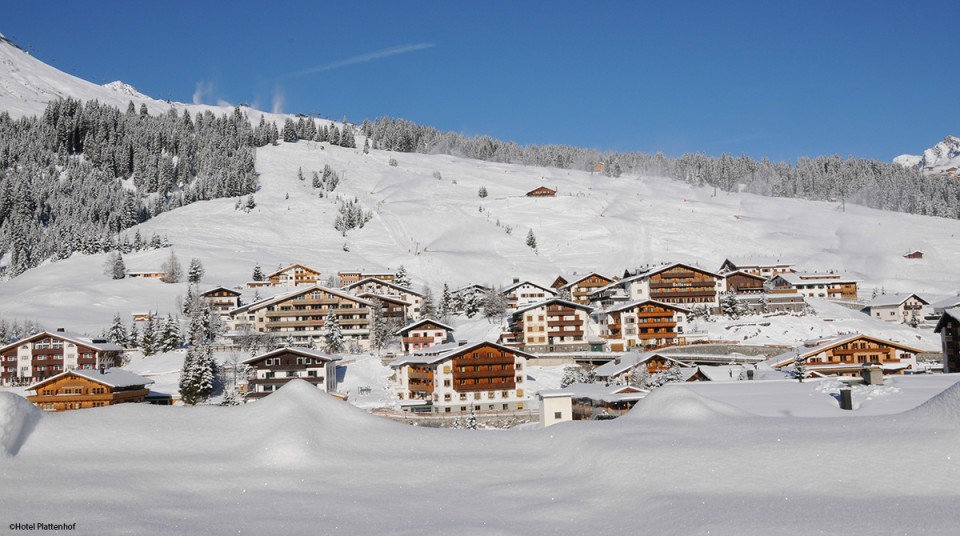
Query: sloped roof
pixel 111 377
pixel 383 283
pixel 628 360
pixel 303 290
pixel 75 338
pixel 886 300
pixel 521 283
pixel 949 315
pixel 636 303
pixel 294 265
pixel 790 356
pixel 214 289
pixel 537 305
pixel 573 282
pixel 432 359
pixel 797 278
pixel 597 391
pixel 410 327
pixel 305 352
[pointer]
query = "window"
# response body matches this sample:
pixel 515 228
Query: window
pixel 556 414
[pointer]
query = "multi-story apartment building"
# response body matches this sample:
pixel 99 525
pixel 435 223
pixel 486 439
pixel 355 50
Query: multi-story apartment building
pixel 523 293
pixel 814 285
pixel 348 278
pixel 762 268
pixel 581 286
pixel 848 355
pixel 380 287
pixel 221 300
pixel 949 329
pixel 87 388
pixel 677 284
pixel 643 324
pixel 300 315
pixel 272 370
pixel 49 353
pixel 554 325
pixel 743 282
pixel 478 377
pixel 897 308
pixel 422 334
pixel 293 276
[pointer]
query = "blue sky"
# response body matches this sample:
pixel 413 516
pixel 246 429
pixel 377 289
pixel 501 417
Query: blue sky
pixel 771 79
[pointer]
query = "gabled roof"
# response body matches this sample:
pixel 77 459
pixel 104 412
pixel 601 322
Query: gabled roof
pixel 745 274
pixel 546 302
pixel 628 360
pixel 886 300
pixel 470 287
pixel 438 358
pixel 382 283
pixel 214 289
pixel 521 283
pixel 294 265
pixel 947 303
pixel 653 271
pixel 381 297
pixel 111 377
pixel 75 338
pixel 789 357
pixel 287 295
pixel 573 282
pixel 798 278
pixel 305 352
pixel 739 263
pixel 637 303
pixel 597 391
pixel 948 316
pixel 413 326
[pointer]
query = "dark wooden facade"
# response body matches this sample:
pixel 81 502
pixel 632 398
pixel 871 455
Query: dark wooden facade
pixel 682 284
pixel 72 391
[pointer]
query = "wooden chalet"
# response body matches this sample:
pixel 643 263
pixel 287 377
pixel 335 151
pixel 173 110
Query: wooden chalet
pixel 677 284
pixel 393 308
pixel 272 370
pixel 293 276
pixel 743 282
pixel 550 326
pixel 582 286
pixel 949 329
pixel 643 324
pixel 480 377
pixel 221 299
pixel 916 254
pixel 848 355
pixel 423 334
pixel 49 353
pixel 87 388
pixel 542 191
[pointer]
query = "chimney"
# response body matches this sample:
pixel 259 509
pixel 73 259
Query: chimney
pixel 102 368
pixel 516 280
pixel 61 330
pixel 461 343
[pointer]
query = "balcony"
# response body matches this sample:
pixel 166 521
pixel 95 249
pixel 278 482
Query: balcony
pixel 472 361
pixel 417 340
pixel 421 375
pixel 457 375
pixel 469 388
pixel 555 323
pixel 576 334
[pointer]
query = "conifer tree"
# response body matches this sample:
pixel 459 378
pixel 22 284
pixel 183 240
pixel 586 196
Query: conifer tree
pixel 402 278
pixel 333 337
pixel 195 272
pixel 446 302
pixel 257 273
pixel 172 271
pixel 379 327
pixel 427 309
pixel 148 340
pixel 531 240
pixel 117 333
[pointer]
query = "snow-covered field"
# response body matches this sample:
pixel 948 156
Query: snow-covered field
pixel 301 462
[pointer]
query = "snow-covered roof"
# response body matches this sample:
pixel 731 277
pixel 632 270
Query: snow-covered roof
pixel 631 305
pixel 76 338
pixel 384 283
pixel 758 262
pixel 306 352
pixel 597 391
pixel 628 360
pixel 294 265
pixel 287 295
pixel 521 283
pixel 414 325
pixel 572 282
pixel 111 377
pixel 214 289
pixel 543 303
pixel 459 349
pixel 949 315
pixel 790 356
pixel 382 297
pixel 814 279
pixel 946 303
pixel 886 300
pixel 721 373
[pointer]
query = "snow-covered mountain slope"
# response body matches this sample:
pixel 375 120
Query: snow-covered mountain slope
pixel 28 84
pixel 935 160
pixel 442 232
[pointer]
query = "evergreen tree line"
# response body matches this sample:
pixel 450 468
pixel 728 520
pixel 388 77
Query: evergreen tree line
pixel 351 216
pixel 326 182
pixel 81 173
pixel 304 128
pixel 871 183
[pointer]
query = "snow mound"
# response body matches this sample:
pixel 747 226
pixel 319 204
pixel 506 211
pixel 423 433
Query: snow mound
pixel 944 406
pixel 17 419
pixel 125 89
pixel 299 423
pixel 677 402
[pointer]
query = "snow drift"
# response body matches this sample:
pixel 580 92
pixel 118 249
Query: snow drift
pixel 17 419
pixel 677 402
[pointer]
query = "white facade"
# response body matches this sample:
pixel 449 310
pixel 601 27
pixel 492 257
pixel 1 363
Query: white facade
pixel 555 408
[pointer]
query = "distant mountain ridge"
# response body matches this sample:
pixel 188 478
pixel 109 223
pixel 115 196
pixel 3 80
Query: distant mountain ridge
pixel 942 158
